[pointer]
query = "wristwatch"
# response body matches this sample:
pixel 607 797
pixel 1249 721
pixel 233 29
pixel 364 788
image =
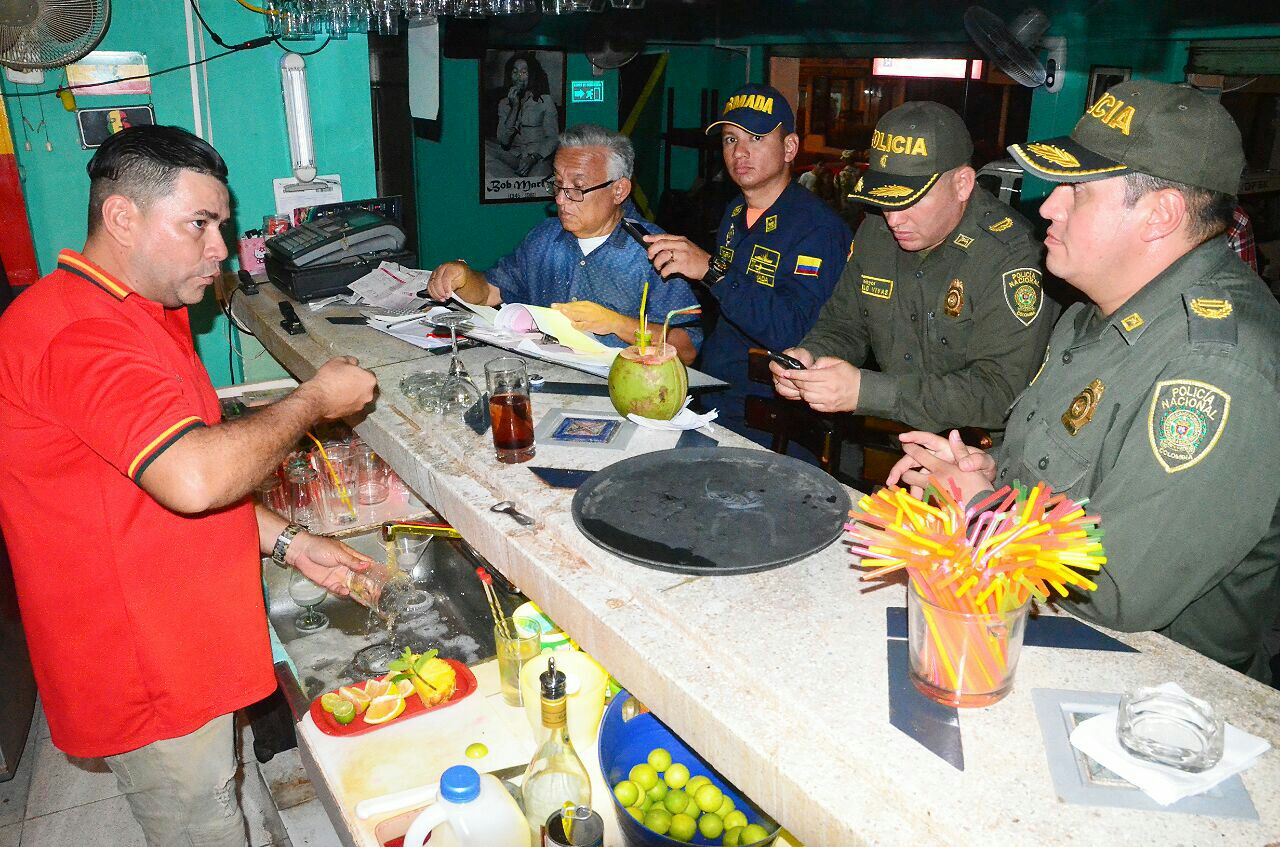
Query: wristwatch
pixel 716 269
pixel 284 539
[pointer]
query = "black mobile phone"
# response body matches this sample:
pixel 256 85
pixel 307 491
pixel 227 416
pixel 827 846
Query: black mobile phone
pixel 635 231
pixel 786 361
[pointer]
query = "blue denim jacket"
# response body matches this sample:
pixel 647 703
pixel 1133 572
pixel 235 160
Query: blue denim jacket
pixel 548 267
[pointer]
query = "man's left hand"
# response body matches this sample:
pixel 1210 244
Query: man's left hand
pixel 326 561
pixel 592 317
pixel 828 385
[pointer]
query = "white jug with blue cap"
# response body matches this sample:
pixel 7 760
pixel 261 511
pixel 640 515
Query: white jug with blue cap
pixel 477 809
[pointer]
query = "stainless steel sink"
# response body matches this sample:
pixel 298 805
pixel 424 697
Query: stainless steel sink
pixel 455 620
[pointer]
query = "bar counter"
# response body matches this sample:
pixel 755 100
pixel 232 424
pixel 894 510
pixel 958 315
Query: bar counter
pixel 779 679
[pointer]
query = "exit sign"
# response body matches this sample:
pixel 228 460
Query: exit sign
pixel 586 91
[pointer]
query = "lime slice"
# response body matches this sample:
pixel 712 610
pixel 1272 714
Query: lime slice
pixel 344 711
pixel 330 700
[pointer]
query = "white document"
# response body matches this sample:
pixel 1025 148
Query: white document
pixel 291 194
pixel 499 328
pixel 393 288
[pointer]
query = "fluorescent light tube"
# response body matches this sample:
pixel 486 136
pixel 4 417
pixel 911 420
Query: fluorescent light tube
pixel 297 116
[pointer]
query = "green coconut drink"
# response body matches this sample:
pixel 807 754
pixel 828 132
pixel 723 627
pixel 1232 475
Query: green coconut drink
pixel 650 381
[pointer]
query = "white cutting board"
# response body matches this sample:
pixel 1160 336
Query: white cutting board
pixel 414 752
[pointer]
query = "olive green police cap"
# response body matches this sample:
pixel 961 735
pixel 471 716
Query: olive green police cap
pixel 911 147
pixel 1169 131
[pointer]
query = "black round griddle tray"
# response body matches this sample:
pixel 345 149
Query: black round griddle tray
pixel 711 510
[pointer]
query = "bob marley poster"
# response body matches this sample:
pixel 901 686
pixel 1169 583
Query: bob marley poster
pixel 96 125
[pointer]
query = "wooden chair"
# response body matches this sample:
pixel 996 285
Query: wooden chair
pixel 791 420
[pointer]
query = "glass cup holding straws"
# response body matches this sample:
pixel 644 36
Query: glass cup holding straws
pixel 514 645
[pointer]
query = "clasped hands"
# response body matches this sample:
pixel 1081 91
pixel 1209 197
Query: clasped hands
pixel 947 459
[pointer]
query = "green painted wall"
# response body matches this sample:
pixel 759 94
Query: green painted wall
pixel 453 223
pixel 245 121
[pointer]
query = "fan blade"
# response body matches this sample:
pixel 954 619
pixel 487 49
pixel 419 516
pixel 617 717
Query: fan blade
pixel 18 13
pixel 1002 47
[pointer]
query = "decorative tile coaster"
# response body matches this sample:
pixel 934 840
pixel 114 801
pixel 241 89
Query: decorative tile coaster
pixel 1079 779
pixel 575 428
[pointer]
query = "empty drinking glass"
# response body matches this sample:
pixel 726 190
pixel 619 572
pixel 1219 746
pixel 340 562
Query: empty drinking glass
pixel 372 477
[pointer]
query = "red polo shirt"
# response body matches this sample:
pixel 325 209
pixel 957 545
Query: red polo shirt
pixel 143 624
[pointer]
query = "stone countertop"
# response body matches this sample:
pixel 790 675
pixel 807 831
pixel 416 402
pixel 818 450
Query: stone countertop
pixel 778 678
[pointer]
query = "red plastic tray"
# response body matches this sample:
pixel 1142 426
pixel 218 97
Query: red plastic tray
pixel 464 686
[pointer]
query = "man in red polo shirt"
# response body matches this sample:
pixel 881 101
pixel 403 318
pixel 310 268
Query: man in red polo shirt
pixel 124 498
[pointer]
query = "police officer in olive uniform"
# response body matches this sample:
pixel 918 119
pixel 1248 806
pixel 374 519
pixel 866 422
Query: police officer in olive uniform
pixel 944 287
pixel 1158 400
pixel 779 251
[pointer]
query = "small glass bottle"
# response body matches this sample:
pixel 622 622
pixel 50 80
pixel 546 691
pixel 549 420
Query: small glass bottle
pixel 555 775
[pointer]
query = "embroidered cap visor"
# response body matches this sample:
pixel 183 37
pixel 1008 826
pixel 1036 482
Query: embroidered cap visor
pixel 1168 131
pixel 1065 160
pixel 891 191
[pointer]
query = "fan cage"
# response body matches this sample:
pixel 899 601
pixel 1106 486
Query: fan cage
pixel 63 32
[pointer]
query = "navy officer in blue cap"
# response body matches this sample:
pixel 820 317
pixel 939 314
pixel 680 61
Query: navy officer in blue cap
pixel 779 251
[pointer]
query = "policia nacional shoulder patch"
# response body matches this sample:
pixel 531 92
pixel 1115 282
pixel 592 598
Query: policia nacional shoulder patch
pixel 1023 294
pixel 1186 420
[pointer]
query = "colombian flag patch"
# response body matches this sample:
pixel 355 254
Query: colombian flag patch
pixel 808 265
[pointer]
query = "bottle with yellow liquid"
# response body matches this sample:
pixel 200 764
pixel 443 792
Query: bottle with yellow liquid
pixel 555 776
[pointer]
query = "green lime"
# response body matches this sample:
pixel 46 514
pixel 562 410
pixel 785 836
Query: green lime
pixel 644 803
pixel 734 819
pixel 726 806
pixel 344 712
pixel 328 701
pixel 708 798
pixel 644 776
pixel 657 792
pixel 660 758
pixel 636 812
pixel 627 792
pixel 682 827
pixel 676 776
pixel 675 801
pixel 733 836
pixel 710 825
pixel 658 820
pixel 753 833
pixel 691 787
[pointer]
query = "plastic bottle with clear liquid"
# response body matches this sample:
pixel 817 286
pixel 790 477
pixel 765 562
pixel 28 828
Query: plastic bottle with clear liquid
pixel 555 775
pixel 474 809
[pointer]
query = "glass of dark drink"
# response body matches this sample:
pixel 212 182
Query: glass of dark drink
pixel 510 409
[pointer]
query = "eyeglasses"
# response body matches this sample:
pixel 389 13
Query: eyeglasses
pixel 572 193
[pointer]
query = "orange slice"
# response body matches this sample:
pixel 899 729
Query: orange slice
pixel 384 708
pixel 376 688
pixel 357 697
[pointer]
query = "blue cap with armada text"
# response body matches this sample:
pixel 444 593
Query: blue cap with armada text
pixel 758 109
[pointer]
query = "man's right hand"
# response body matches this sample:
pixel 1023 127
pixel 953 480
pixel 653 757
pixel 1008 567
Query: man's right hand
pixel 446 279
pixel 675 254
pixel 781 382
pixel 340 388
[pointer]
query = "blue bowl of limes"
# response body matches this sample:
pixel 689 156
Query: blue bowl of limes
pixel 665 795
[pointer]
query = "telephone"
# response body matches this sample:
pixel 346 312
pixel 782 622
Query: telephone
pixel 333 239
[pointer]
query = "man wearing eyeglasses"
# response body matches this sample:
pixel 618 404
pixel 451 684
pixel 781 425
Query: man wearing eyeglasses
pixel 583 264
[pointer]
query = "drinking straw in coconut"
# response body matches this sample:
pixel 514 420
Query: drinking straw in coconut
pixel 643 335
pixel 689 310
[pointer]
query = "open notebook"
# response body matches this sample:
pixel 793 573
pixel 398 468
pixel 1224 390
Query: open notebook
pixel 525 328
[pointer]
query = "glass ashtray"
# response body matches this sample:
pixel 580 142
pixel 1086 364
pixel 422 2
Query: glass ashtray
pixel 1169 728
pixel 422 390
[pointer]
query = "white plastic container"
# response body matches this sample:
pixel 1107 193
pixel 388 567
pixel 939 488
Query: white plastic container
pixel 476 808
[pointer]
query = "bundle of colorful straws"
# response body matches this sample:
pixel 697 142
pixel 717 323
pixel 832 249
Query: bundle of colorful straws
pixel 989 558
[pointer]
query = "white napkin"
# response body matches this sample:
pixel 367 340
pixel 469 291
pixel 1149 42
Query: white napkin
pixel 683 420
pixel 1096 738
